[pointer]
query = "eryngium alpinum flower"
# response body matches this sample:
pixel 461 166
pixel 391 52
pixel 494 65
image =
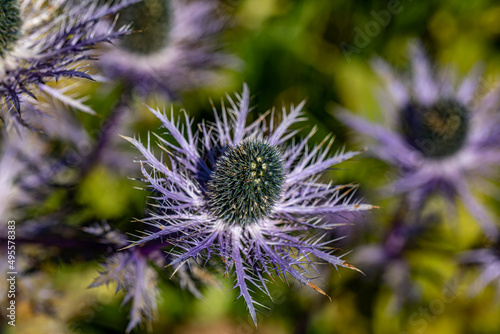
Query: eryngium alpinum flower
pixel 246 194
pixel 41 41
pixel 175 46
pixel 138 279
pixel 444 137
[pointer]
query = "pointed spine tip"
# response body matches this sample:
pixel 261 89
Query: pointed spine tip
pixel 350 266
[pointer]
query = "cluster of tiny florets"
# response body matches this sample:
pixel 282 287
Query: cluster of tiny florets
pixel 438 130
pixel 247 182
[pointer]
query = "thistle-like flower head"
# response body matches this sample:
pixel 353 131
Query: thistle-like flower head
pixel 45 40
pixel 175 46
pixel 443 135
pixel 246 194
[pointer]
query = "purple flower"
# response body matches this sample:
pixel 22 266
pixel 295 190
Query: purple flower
pixel 441 137
pixel 247 193
pixel 42 41
pixel 488 264
pixel 175 46
pixel 133 275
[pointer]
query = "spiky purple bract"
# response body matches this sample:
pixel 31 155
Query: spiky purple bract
pixel 134 271
pixel 52 40
pixel 276 241
pixel 443 138
pixel 133 275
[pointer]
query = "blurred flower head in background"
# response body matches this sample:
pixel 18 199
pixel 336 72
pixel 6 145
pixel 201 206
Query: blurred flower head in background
pixel 42 41
pixel 133 271
pixel 246 194
pixel 175 46
pixel 443 137
pixel 26 169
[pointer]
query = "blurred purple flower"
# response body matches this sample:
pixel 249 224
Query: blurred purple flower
pixel 43 41
pixel 441 137
pixel 245 194
pixel 133 275
pixel 175 47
